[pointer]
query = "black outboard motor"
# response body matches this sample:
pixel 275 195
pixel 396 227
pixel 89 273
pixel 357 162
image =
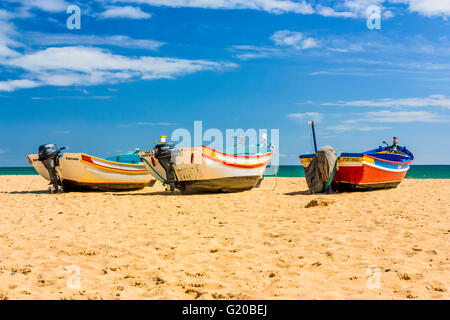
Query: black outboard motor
pixel 48 154
pixel 164 152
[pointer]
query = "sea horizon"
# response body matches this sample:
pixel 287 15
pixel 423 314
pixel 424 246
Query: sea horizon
pixel 417 171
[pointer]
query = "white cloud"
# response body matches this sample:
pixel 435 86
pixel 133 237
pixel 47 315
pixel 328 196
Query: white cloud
pixel 252 52
pixel 343 127
pixel 330 12
pixel 387 116
pixel 348 72
pixel 12 85
pixel 286 38
pixel 7 33
pixel 66 66
pixel 273 6
pixel 73 39
pixel 286 42
pixel 309 43
pixel 388 14
pixel 293 39
pixel 341 9
pixel 359 7
pixel 304 116
pixel 430 8
pixel 125 12
pixel 436 100
pixel 44 5
pixel 361 121
pixel 73 97
pixel 146 124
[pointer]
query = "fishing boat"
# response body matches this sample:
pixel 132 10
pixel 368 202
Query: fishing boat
pixel 79 171
pixel 382 167
pixel 203 169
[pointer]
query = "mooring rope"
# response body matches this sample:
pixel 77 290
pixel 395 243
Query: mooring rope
pixel 332 175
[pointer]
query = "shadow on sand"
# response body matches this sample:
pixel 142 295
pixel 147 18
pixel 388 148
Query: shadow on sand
pixel 298 193
pixel 156 193
pixel 28 192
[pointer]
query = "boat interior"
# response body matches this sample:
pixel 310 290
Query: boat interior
pixel 132 158
pixel 401 154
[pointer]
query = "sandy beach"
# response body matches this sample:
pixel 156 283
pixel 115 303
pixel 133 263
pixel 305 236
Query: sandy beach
pixel 259 244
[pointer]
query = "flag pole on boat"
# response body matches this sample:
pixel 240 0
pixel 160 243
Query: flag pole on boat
pixel 314 135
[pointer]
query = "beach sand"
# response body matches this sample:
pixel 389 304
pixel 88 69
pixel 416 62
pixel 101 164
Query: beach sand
pixel 259 244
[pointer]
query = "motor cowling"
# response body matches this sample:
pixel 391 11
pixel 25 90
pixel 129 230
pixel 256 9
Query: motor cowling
pixel 163 153
pixel 48 154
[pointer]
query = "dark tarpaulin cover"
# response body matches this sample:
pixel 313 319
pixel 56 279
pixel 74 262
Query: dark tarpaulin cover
pixel 320 170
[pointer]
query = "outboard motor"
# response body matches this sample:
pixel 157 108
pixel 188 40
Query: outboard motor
pixel 48 154
pixel 163 153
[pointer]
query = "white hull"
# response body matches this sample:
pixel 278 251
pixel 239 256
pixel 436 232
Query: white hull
pixel 211 169
pixel 80 171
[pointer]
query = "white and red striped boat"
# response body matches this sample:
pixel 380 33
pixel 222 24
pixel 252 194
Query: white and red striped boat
pixel 202 169
pixel 78 171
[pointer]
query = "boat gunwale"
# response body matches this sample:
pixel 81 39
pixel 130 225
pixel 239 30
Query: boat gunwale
pixel 238 156
pixel 389 161
pixel 140 171
pixel 114 162
pixel 371 154
pixel 238 165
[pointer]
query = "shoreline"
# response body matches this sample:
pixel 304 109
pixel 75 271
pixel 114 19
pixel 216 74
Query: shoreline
pixel 258 244
pixel 290 171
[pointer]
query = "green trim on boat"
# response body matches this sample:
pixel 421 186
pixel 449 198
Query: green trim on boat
pixel 164 180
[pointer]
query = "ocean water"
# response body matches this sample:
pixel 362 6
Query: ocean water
pixel 415 172
pixel 21 171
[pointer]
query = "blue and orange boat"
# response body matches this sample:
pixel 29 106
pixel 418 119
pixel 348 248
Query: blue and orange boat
pixel 383 167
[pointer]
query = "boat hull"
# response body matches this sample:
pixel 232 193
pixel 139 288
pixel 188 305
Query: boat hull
pixel 201 169
pixel 81 172
pixel 70 185
pixel 364 172
pixel 230 184
pixel 368 173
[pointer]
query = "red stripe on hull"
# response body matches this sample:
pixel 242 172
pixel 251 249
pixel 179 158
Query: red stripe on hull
pixel 238 156
pixel 245 166
pixel 367 174
pixel 89 160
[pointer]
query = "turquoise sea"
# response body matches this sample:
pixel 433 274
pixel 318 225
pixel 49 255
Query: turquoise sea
pixel 415 172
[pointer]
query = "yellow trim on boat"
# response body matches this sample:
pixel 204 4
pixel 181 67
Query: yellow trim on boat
pixel 368 159
pixel 350 159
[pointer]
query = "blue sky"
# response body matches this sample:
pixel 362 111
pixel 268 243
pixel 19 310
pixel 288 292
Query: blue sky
pixel 138 69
